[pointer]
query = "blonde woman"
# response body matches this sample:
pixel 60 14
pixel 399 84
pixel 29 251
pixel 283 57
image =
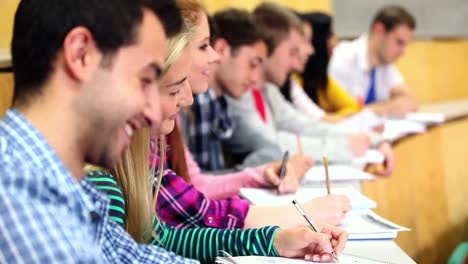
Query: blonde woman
pixel 138 200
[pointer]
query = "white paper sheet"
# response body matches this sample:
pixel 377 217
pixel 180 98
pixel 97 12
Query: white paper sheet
pixel 337 173
pixel 372 156
pixel 270 197
pixel 426 118
pixel 395 129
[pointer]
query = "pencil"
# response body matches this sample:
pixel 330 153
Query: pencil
pixel 311 225
pixel 300 147
pixel 327 176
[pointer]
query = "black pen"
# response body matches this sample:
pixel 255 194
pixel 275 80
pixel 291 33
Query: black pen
pixel 306 217
pixel 284 164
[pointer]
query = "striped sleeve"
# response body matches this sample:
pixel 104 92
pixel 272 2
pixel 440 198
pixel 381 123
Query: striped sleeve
pixel 105 182
pixel 204 244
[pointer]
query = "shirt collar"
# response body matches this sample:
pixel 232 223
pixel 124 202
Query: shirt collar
pixel 363 52
pixel 34 149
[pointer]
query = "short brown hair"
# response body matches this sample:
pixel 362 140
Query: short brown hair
pixel 237 27
pixel 276 21
pixel 392 16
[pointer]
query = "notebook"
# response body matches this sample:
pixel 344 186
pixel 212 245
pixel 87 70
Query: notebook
pixel 270 196
pixel 426 118
pixel 337 173
pixel 397 128
pixel 343 258
pixel 365 224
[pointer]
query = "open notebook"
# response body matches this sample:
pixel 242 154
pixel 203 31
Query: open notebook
pixel 337 173
pixel 397 128
pixel 343 258
pixel 271 197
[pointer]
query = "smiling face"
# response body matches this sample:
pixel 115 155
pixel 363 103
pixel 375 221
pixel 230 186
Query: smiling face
pixel 175 91
pixel 281 62
pixel 204 58
pixel 123 97
pixel 241 69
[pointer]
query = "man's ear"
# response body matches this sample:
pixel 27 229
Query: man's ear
pixel 80 54
pixel 221 46
pixel 378 28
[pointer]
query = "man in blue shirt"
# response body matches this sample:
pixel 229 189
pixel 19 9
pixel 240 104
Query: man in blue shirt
pixel 86 77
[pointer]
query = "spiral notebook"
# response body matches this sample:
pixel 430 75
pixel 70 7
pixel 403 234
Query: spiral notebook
pixel 344 259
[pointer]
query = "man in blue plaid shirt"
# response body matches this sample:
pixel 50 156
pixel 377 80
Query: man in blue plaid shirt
pixel 86 77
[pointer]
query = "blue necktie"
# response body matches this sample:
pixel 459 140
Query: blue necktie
pixel 371 98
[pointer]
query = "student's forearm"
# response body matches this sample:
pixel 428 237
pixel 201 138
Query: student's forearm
pixel 284 216
pixel 381 108
pixel 398 105
pixel 204 244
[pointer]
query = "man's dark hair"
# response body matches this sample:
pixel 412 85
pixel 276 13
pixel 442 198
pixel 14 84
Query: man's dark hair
pixel 392 16
pixel 237 27
pixel 213 30
pixel 169 14
pixel 275 22
pixel 40 28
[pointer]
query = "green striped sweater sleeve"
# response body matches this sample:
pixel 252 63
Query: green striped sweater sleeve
pixel 105 182
pixel 204 244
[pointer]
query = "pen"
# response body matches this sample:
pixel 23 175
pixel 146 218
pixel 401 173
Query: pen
pixel 284 163
pixel 303 213
pixel 327 176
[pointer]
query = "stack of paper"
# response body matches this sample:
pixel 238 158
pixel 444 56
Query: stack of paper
pixel 365 224
pixel 397 128
pixel 271 197
pixel 337 173
pixel 426 118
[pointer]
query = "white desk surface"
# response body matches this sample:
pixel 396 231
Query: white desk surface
pixel 5 58
pixel 451 109
pixel 385 251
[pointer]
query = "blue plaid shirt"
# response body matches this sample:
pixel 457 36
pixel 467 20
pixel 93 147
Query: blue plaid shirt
pixel 213 122
pixel 48 217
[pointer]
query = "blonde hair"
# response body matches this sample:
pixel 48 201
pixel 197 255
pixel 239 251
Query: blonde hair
pixel 134 177
pixel 133 173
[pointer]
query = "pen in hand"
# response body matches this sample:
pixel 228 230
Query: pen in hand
pixel 284 164
pixel 309 221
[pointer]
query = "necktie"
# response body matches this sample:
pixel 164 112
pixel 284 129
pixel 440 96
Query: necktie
pixel 371 96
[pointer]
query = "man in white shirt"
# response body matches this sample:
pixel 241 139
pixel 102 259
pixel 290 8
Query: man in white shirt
pixel 282 122
pixel 364 67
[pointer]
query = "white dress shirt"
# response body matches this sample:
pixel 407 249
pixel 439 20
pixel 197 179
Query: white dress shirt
pixel 303 103
pixel 349 66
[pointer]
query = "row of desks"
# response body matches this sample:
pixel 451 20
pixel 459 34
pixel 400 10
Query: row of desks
pixel 428 190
